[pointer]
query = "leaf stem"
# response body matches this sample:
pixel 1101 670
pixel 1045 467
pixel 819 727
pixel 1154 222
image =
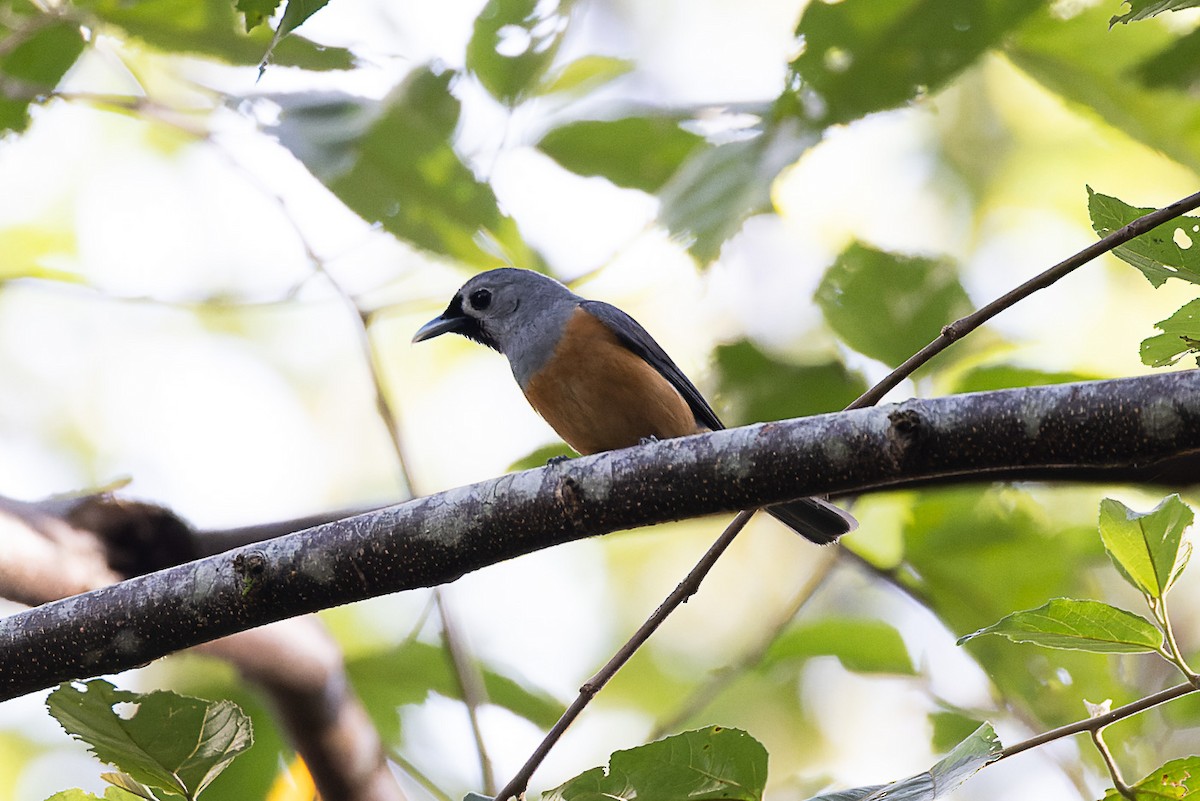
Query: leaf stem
pixel 1109 762
pixel 1174 655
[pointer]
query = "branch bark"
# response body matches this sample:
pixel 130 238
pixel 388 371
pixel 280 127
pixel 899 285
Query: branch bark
pixel 1143 429
pixel 56 549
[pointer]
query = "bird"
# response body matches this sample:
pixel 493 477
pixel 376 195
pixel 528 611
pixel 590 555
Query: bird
pixel 595 374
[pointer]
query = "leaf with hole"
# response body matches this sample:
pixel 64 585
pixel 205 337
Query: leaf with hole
pixel 1171 250
pixel 871 55
pixel 164 740
pixel 1076 625
pixel 1149 549
pixel 1177 780
pixel 513 44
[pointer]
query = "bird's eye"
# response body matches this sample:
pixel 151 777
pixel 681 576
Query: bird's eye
pixel 481 299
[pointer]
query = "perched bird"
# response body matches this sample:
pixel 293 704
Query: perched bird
pixel 595 375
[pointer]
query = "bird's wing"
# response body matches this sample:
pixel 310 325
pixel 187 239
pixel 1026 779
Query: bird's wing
pixel 631 334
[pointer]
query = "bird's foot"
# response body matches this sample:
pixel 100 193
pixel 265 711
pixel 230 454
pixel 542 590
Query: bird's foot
pixel 553 460
pixel 647 440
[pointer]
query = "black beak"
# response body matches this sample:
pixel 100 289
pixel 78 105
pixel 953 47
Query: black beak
pixel 438 326
pixel 451 321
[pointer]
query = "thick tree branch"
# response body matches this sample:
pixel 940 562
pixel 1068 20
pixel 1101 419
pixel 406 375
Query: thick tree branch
pixel 61 548
pixel 1146 428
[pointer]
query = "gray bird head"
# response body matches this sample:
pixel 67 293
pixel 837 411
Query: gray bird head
pixel 517 312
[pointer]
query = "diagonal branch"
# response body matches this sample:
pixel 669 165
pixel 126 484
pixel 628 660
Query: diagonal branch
pixel 1145 429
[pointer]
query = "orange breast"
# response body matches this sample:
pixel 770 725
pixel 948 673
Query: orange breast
pixel 600 396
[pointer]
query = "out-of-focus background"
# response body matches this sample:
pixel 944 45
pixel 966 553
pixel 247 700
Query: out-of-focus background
pixel 186 247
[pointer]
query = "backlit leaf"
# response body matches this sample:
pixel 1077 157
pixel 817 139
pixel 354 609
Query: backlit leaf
pixel 634 152
pixel 712 764
pixel 1149 549
pixel 1180 337
pixel 514 43
pixel 1141 9
pixel 968 758
pixel 887 306
pixel 161 739
pixel 1078 625
pixel 870 55
pixel 1172 250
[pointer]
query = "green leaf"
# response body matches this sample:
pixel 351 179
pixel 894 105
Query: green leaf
pixel 712 764
pixel 208 28
pixel 718 188
pixel 1075 625
pixel 256 12
pixel 1142 9
pixel 128 785
pixel 408 673
pixel 755 387
pixel 871 55
pixel 861 645
pixel 950 728
pixel 1149 549
pixel 584 74
pixel 39 58
pixel 887 306
pixel 396 166
pixel 541 456
pixel 1172 250
pixel 110 794
pixel 167 741
pixel 967 759
pixel 514 43
pixel 296 13
pixel 1006 376
pixel 1180 337
pixel 1079 59
pixel 1175 66
pixel 634 152
pixel 1177 780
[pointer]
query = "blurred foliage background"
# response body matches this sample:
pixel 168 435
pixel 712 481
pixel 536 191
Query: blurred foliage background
pixel 792 197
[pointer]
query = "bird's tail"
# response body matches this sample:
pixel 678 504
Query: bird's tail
pixel 814 519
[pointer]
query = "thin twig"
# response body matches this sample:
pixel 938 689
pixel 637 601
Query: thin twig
pixel 1100 721
pixel 703 695
pixel 1114 771
pixel 686 589
pixel 470 682
pixel 417 775
pixel 960 328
